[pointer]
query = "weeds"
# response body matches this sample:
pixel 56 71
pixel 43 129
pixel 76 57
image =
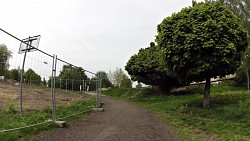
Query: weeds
pixel 10 119
pixel 10 109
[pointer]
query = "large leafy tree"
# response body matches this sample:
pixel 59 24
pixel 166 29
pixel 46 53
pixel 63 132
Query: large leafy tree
pixel 148 67
pixel 73 75
pixel 31 77
pixel 241 8
pixel 5 54
pixel 202 42
pixel 70 77
pixel 70 72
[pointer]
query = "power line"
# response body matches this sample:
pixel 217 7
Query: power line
pixel 43 51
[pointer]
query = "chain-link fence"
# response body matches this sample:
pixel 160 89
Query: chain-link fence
pixel 33 81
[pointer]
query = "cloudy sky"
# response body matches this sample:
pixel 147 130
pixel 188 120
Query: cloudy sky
pixel 94 34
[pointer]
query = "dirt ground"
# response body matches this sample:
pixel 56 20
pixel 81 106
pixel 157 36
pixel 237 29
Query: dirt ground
pixel 34 98
pixel 121 121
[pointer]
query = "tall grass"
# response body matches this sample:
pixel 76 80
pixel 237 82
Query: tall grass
pixel 228 118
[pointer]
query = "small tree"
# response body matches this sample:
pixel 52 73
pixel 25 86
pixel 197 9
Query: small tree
pixel 126 82
pixel 202 42
pixel 71 74
pixel 31 77
pixel 116 77
pixel 149 67
pixel 15 74
pixel 104 77
pixel 5 54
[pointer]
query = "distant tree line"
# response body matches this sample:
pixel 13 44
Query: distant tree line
pixel 70 77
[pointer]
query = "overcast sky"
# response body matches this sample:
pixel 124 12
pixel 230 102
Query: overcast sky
pixel 94 34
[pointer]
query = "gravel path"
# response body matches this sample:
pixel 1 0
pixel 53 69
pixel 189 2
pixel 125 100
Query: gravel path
pixel 121 121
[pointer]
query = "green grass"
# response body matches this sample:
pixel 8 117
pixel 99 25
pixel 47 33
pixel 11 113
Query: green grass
pixel 228 118
pixel 10 118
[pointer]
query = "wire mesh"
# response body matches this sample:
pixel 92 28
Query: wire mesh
pixel 37 70
pixel 46 84
pixel 72 83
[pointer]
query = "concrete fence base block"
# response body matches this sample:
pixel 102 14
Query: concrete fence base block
pixel 98 109
pixel 60 123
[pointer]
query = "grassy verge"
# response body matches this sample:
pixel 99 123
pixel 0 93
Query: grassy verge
pixel 228 118
pixel 11 119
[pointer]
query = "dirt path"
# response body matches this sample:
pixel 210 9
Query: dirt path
pixel 121 121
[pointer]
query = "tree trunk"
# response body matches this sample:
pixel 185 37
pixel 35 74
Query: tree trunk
pixel 247 78
pixel 206 93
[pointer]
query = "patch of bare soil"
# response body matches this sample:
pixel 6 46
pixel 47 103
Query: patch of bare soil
pixel 34 97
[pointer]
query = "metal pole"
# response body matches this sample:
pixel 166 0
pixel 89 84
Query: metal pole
pixel 21 80
pixel 52 85
pixel 100 92
pixel 83 85
pixel 66 84
pixel 97 95
pixel 72 84
pixel 54 88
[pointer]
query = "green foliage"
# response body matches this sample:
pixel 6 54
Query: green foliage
pixel 238 7
pixel 241 8
pixel 104 77
pixel 70 72
pixel 79 106
pixel 92 84
pixel 202 41
pixel 241 78
pixel 228 83
pixel 148 67
pixel 5 54
pixel 15 74
pixel 12 119
pixel 119 79
pixel 126 82
pixel 227 119
pixel 69 75
pixel 10 108
pixel 31 77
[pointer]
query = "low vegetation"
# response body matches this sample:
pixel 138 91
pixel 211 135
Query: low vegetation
pixel 228 117
pixel 10 119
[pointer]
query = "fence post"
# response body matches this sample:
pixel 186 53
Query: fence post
pixel 97 95
pixel 66 84
pixel 100 92
pixel 72 84
pixel 53 87
pixel 83 85
pixel 21 80
pixel 52 84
